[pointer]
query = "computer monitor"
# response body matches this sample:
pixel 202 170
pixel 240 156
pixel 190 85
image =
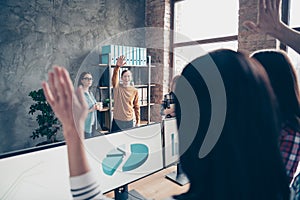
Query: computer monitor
pixel 123 157
pixel 171 147
pixel 171 151
pixel 36 175
pixel 117 159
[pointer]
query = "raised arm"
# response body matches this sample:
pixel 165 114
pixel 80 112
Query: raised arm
pixel 136 107
pixel 115 78
pixel 269 22
pixel 71 109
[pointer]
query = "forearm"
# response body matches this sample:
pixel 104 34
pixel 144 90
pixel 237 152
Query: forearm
pixel 288 36
pixel 136 107
pixel 78 162
pixel 115 77
pixel 137 115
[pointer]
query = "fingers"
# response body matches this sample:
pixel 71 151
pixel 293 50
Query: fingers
pixel 269 5
pixel 261 5
pixel 272 5
pixel 121 61
pixel 251 26
pixel 122 58
pixel 81 98
pixel 277 4
pixel 52 87
pixel 59 84
pixel 68 85
pixel 48 94
pixel 59 88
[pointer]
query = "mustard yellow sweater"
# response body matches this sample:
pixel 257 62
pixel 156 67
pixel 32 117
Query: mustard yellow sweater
pixel 125 100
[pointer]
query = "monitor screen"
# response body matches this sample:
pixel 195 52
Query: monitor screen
pixel 171 151
pixel 36 175
pixel 117 159
pixel 123 157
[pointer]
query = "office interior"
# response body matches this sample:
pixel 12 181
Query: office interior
pixel 35 35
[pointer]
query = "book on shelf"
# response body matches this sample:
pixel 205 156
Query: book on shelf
pixel 135 56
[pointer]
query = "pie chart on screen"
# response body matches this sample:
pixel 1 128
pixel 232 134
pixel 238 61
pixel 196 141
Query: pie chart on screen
pixel 127 161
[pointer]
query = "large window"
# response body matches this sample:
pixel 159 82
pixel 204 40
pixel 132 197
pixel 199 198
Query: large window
pixel 294 13
pixel 183 55
pixel 201 26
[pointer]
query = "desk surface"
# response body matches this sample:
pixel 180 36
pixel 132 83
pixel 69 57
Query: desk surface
pixel 156 186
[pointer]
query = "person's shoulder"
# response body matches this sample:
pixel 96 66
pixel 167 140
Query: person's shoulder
pixel 135 89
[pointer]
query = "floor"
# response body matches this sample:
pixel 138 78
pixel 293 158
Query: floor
pixel 156 186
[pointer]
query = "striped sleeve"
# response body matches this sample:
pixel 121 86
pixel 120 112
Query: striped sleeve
pixel 86 186
pixel 295 189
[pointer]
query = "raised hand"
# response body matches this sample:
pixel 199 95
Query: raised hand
pixel 69 106
pixel 268 19
pixel 121 61
pixel 268 22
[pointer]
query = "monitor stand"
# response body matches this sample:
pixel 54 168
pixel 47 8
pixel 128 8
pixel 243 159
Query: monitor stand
pixel 178 176
pixel 122 193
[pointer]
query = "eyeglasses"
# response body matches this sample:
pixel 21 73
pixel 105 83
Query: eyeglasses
pixel 88 79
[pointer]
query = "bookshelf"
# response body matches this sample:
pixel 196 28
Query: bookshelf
pixel 142 81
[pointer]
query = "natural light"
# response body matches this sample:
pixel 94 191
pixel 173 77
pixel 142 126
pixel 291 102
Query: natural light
pixel 196 20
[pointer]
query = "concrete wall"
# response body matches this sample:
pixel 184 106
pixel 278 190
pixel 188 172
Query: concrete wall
pixel 36 34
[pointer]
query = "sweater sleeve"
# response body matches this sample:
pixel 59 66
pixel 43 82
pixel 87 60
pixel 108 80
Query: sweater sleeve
pixel 136 107
pixel 115 77
pixel 85 186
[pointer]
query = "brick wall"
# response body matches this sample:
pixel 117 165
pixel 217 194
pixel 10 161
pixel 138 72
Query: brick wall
pixel 248 41
pixel 159 14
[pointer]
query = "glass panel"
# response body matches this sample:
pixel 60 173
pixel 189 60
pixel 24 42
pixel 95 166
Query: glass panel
pixel 205 19
pixel 294 13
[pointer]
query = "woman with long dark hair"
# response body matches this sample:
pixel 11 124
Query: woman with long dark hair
pixel 284 82
pixel 242 161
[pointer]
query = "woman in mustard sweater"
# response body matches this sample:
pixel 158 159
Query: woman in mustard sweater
pixel 125 99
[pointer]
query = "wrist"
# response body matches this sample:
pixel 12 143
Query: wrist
pixel 73 133
pixel 278 31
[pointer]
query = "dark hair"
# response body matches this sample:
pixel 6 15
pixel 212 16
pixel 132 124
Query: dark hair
pixel 245 163
pixel 82 76
pixel 124 71
pixel 283 79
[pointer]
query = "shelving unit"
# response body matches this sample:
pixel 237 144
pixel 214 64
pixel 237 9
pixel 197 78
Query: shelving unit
pixel 106 92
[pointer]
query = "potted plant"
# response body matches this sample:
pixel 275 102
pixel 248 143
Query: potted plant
pixel 48 122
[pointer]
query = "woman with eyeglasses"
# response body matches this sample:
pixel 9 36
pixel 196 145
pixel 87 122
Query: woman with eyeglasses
pixel 86 80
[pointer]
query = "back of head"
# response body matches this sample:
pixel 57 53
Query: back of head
pixel 283 79
pixel 245 161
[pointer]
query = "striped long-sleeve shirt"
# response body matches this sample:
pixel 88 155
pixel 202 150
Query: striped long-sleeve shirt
pixel 85 186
